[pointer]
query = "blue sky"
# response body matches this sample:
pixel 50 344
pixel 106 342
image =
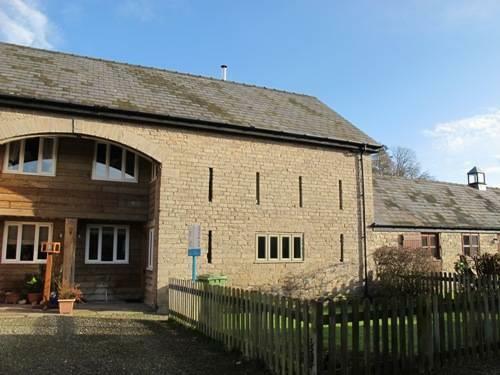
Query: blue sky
pixel 423 74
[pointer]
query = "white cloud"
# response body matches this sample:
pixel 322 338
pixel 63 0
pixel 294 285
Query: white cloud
pixel 22 22
pixel 466 142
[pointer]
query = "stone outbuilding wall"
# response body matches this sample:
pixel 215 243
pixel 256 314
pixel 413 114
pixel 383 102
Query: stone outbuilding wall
pixel 450 244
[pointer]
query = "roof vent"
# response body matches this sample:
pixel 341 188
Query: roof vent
pixel 224 72
pixel 476 179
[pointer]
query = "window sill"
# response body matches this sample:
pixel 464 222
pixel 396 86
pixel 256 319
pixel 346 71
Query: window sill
pixel 111 263
pixel 277 261
pixel 6 171
pixel 27 262
pixel 135 181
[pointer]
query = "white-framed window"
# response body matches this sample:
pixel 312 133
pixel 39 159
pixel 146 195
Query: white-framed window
pixel 107 244
pixel 151 245
pixel 279 247
pixel 114 163
pixel 22 242
pixel 33 156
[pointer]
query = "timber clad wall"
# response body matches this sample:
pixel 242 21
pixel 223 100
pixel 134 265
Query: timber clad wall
pixel 114 281
pixel 72 192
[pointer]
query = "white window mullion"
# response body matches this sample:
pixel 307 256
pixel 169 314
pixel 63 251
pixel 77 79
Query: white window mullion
pixel 6 158
pixel 19 239
pixel 40 156
pixel 99 245
pixel 124 155
pixel 107 159
pixel 35 242
pixel 21 156
pixel 115 244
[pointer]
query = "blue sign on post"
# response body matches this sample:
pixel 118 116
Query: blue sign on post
pixel 194 246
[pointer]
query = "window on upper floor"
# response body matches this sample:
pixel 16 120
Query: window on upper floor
pixel 22 242
pixel 34 156
pixel 114 163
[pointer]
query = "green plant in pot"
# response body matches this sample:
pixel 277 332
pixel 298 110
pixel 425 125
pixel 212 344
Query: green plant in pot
pixel 66 298
pixel 34 285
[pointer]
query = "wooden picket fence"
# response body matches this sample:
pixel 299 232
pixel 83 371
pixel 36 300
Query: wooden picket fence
pixel 387 336
pixel 443 283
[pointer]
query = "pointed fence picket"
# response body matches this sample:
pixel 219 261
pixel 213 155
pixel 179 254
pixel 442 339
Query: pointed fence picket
pixel 385 336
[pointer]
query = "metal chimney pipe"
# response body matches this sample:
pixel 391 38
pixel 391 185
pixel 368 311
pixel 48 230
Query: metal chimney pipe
pixel 224 72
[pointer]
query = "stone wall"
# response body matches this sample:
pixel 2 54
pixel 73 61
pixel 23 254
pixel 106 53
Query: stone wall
pixel 450 242
pixel 233 216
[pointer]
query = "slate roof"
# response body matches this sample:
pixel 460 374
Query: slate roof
pixel 407 203
pixel 65 78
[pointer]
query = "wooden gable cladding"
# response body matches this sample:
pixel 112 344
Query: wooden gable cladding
pixel 72 192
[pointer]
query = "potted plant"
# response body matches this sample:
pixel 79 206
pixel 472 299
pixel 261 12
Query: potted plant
pixel 66 297
pixel 34 286
pixel 12 297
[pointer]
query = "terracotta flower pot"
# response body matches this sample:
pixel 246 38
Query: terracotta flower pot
pixel 34 298
pixel 12 297
pixel 66 306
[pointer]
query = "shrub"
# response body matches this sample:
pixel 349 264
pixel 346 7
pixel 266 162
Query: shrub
pixel 65 292
pixel 400 271
pixel 487 264
pixel 463 266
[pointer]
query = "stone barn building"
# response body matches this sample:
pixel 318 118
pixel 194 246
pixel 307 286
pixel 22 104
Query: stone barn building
pixel 115 161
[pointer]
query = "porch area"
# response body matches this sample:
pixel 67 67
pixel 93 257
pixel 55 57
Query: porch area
pixel 96 200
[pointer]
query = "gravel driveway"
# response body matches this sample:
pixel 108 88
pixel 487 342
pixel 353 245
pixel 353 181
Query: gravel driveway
pixel 51 344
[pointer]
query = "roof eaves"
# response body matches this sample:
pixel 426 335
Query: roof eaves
pixel 110 113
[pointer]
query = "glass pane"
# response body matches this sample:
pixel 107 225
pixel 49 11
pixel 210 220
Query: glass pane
pixel 100 160
pixel 433 240
pixel 261 247
pixel 273 247
pixel 47 155
pixel 43 236
pixel 13 164
pixel 121 244
pixel 11 242
pixel 115 162
pixel 130 165
pixel 297 247
pixel 108 235
pixel 474 240
pixel 28 242
pixel 285 247
pixel 31 155
pixel 93 243
pixel 424 241
pixel 466 240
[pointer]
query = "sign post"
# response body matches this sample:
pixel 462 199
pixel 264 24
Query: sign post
pixel 194 246
pixel 49 248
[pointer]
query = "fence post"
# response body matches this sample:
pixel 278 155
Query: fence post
pixel 425 339
pixel 317 337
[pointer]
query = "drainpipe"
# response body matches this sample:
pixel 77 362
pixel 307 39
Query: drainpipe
pixel 363 203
